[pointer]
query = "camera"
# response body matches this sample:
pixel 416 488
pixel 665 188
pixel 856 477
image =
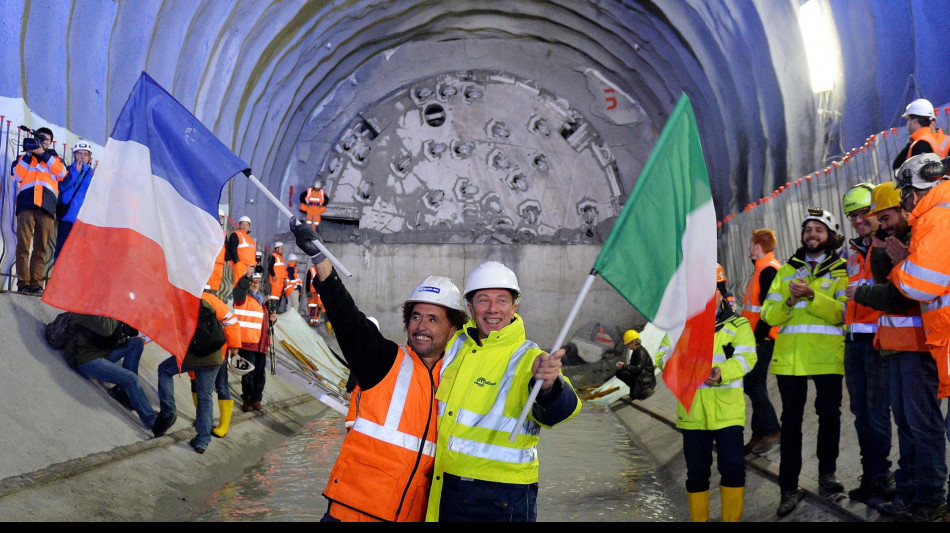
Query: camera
pixel 32 142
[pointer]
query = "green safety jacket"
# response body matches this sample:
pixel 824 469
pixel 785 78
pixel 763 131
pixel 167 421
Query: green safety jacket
pixel 723 405
pixel 482 391
pixel 811 333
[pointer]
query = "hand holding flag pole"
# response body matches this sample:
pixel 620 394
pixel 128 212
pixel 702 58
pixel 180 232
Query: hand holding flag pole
pixel 336 263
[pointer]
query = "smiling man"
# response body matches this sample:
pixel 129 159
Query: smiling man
pixel 384 468
pixel 487 374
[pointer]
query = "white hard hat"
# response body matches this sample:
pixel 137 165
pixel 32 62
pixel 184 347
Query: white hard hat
pixel 239 365
pixel 245 218
pixel 255 275
pixel 374 321
pixel 913 174
pixel 278 244
pixel 823 216
pixel 492 275
pixel 438 290
pixel 221 212
pixel 82 145
pixel 293 257
pixel 920 107
pixel 318 184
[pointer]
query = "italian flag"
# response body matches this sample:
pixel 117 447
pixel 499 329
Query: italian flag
pixel 661 253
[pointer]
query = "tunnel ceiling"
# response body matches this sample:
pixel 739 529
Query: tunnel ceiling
pixel 284 83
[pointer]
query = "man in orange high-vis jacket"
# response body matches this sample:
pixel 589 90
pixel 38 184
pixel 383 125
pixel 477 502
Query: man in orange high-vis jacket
pixel 255 320
pixel 313 202
pixel 384 469
pixel 314 304
pixel 922 467
pixel 242 250
pixel 867 375
pixel 292 284
pixel 277 273
pixel 37 174
pixel 923 134
pixel 766 429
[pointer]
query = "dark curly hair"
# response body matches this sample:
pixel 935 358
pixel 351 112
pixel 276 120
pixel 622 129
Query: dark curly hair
pixel 456 318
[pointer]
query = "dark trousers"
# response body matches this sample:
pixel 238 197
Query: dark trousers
pixel 794 392
pixel 252 383
pixel 868 378
pixel 730 458
pixel 764 419
pixel 474 500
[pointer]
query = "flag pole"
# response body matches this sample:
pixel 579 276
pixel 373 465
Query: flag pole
pixel 339 266
pixel 557 344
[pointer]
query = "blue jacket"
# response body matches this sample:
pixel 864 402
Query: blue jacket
pixel 72 191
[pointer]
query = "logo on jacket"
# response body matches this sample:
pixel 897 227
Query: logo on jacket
pixel 481 382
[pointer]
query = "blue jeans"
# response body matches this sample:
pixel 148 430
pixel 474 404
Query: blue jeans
pixel 922 465
pixel 764 421
pixel 221 382
pixel 204 381
pixel 126 376
pixel 868 377
pixel 475 500
pixel 697 448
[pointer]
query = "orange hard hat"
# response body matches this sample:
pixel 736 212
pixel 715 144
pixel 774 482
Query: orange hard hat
pixel 720 274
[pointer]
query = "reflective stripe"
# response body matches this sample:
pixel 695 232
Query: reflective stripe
pixel 745 364
pixel 737 384
pixel 390 436
pixel 492 452
pixel 251 325
pixel 451 353
pixel 816 329
pixel 774 296
pixel 900 321
pixel 247 312
pixel 801 304
pixel 859 327
pixel 861 281
pixel 914 293
pixel 939 303
pixel 942 204
pixel 932 276
pixel 839 294
pixel 229 319
pixel 755 308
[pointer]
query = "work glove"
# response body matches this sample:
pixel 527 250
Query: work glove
pixel 728 349
pixel 306 239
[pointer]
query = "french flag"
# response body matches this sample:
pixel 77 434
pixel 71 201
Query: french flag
pixel 145 240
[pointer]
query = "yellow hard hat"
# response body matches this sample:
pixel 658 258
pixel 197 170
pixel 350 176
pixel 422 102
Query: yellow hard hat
pixel 630 336
pixel 884 196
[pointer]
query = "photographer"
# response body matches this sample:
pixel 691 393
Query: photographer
pixel 38 173
pixel 94 350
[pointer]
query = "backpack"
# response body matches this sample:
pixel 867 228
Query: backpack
pixel 638 374
pixel 56 334
pixel 117 338
pixel 209 333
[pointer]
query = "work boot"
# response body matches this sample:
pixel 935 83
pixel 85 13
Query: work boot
pixel 789 501
pixel 248 406
pixel 196 447
pixel 828 485
pixel 698 506
pixel 766 443
pixel 162 423
pixel 120 396
pixel 732 500
pixel 256 406
pixel 751 444
pixel 896 506
pixel 921 512
pixel 225 406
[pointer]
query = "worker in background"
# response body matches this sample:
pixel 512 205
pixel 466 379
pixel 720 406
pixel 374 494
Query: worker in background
pixel 867 375
pixel 277 273
pixel 766 430
pixel 292 284
pixel 255 320
pixel 487 376
pixel 384 468
pixel 313 202
pixel 925 136
pixel 242 250
pixel 314 304
pixel 636 371
pixel 922 464
pixel 806 301
pixel 717 415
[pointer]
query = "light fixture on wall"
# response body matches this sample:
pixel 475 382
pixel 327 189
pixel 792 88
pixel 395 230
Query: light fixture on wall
pixel 821 42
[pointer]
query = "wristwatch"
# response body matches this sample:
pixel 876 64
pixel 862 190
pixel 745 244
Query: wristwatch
pixel 810 297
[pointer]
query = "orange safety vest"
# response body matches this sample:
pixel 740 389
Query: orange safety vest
pixel 901 333
pixel 860 318
pixel 752 302
pixel 39 179
pixel 313 205
pixel 939 142
pixel 291 284
pixel 247 254
pixel 250 317
pixel 353 408
pixel 280 274
pixel 385 464
pixel 214 283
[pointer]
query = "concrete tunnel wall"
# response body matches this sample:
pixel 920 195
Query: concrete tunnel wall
pixel 279 82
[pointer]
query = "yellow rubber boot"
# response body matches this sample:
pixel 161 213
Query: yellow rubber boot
pixel 698 506
pixel 225 406
pixel 194 398
pixel 732 500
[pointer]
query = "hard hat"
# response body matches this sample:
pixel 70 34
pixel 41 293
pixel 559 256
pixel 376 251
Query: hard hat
pixel 720 274
pixel 255 275
pixel 922 171
pixel 318 184
pixel 885 196
pixel 239 365
pixel 492 275
pixel 82 145
pixel 630 336
pixel 920 107
pixel 823 216
pixel 278 244
pixel 221 212
pixel 293 257
pixel 374 321
pixel 245 218
pixel 858 197
pixel 438 290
